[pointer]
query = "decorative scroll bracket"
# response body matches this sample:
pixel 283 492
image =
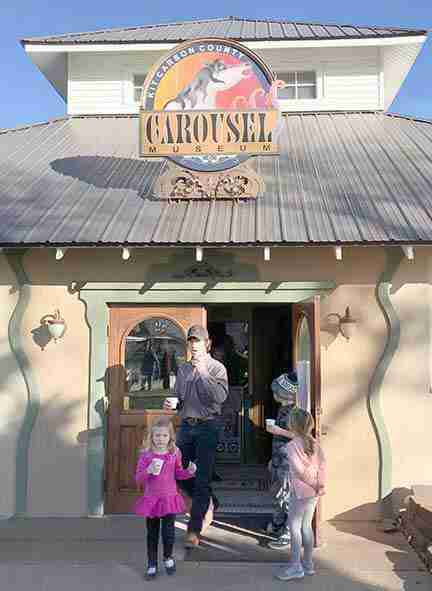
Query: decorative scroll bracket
pixel 241 182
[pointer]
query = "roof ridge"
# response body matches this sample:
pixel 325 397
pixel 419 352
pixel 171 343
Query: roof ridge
pixel 31 125
pixel 224 19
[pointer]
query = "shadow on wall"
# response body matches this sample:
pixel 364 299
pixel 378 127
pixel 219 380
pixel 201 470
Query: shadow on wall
pixel 55 461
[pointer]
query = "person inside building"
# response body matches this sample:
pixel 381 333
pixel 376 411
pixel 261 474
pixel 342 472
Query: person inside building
pixel 285 390
pixel 201 388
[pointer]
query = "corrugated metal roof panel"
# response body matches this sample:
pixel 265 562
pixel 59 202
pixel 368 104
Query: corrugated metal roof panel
pixel 229 27
pixel 340 178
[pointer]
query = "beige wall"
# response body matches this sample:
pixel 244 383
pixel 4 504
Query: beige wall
pixel 406 395
pixel 62 369
pixel 12 393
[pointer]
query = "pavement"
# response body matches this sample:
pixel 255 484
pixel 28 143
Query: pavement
pixel 65 554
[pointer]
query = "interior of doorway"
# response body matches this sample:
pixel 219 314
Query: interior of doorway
pixel 255 344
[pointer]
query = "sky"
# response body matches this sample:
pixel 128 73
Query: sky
pixel 27 97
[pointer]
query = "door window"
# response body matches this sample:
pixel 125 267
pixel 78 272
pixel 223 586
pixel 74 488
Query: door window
pixel 304 344
pixel 154 349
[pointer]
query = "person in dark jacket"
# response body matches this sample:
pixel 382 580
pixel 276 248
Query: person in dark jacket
pixel 201 387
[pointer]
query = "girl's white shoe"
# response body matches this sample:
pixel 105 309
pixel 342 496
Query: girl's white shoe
pixel 292 572
pixel 308 568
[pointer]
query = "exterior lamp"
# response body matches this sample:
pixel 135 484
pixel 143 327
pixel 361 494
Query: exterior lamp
pixel 347 324
pixel 55 324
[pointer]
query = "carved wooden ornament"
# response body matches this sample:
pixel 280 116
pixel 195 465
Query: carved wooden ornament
pixel 176 183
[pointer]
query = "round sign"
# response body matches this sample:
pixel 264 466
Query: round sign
pixel 208 75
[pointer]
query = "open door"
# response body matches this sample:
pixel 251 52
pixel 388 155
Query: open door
pixel 146 345
pixel 307 361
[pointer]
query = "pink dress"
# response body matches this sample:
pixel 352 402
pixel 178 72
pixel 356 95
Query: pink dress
pixel 160 492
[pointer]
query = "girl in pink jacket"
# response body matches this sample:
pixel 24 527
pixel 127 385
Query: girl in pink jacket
pixel 159 467
pixel 307 478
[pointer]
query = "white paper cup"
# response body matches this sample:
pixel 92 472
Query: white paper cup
pixel 270 422
pixel 157 465
pixel 173 401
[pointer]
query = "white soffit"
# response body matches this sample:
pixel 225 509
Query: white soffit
pixel 123 47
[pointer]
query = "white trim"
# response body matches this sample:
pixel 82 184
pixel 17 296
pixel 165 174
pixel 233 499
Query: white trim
pixel 126 253
pixel 60 252
pixel 199 253
pixel 124 47
pixel 381 87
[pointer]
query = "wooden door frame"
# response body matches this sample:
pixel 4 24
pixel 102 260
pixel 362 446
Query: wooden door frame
pixel 309 311
pixel 97 297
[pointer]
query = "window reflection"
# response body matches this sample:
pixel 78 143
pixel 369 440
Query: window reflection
pixel 154 349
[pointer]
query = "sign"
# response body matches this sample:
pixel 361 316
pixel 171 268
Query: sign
pixel 206 105
pixel 168 133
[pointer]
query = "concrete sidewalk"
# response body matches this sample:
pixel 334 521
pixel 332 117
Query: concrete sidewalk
pixel 109 553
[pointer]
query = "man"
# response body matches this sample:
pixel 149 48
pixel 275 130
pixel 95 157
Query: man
pixel 201 387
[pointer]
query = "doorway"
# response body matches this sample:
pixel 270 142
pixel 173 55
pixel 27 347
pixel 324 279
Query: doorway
pixel 255 345
pixel 256 342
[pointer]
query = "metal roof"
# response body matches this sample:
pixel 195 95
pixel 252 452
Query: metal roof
pixel 340 178
pixel 231 27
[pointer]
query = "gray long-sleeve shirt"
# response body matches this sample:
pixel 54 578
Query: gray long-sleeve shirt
pixel 201 394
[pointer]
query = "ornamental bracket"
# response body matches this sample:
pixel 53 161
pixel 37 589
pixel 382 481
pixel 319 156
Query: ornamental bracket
pixel 240 182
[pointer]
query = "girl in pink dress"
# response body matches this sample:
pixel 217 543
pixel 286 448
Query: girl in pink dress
pixel 158 468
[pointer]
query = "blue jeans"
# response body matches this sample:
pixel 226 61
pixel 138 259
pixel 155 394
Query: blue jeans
pixel 198 444
pixel 300 520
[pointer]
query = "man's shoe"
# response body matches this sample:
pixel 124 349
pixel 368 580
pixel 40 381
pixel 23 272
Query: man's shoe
pixel 279 543
pixel 170 565
pixel 290 573
pixel 191 540
pixel 308 568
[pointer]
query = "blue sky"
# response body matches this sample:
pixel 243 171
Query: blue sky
pixel 27 97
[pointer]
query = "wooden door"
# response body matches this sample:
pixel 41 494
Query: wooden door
pixel 307 353
pixel 146 343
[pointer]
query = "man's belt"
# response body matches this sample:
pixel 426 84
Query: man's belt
pixel 197 420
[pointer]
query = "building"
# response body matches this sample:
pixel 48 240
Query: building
pixel 342 218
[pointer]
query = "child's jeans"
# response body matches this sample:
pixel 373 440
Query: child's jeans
pixel 300 520
pixel 168 537
pixel 280 521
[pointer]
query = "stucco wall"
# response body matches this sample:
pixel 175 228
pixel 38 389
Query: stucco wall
pixel 12 393
pixel 406 392
pixel 62 369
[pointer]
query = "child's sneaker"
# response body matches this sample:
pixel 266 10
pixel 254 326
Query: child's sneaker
pixel 279 543
pixel 308 568
pixel 151 573
pixel 170 566
pixel 292 572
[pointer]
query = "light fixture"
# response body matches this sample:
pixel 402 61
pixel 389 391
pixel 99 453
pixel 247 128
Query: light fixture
pixel 347 324
pixel 55 324
pixel 267 254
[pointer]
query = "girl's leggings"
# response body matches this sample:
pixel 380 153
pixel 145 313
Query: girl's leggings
pixel 168 537
pixel 300 519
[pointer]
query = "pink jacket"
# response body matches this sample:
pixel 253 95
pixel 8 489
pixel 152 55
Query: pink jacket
pixel 307 473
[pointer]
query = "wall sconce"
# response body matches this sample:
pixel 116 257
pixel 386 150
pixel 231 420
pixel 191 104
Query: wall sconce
pixel 55 324
pixel 347 324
